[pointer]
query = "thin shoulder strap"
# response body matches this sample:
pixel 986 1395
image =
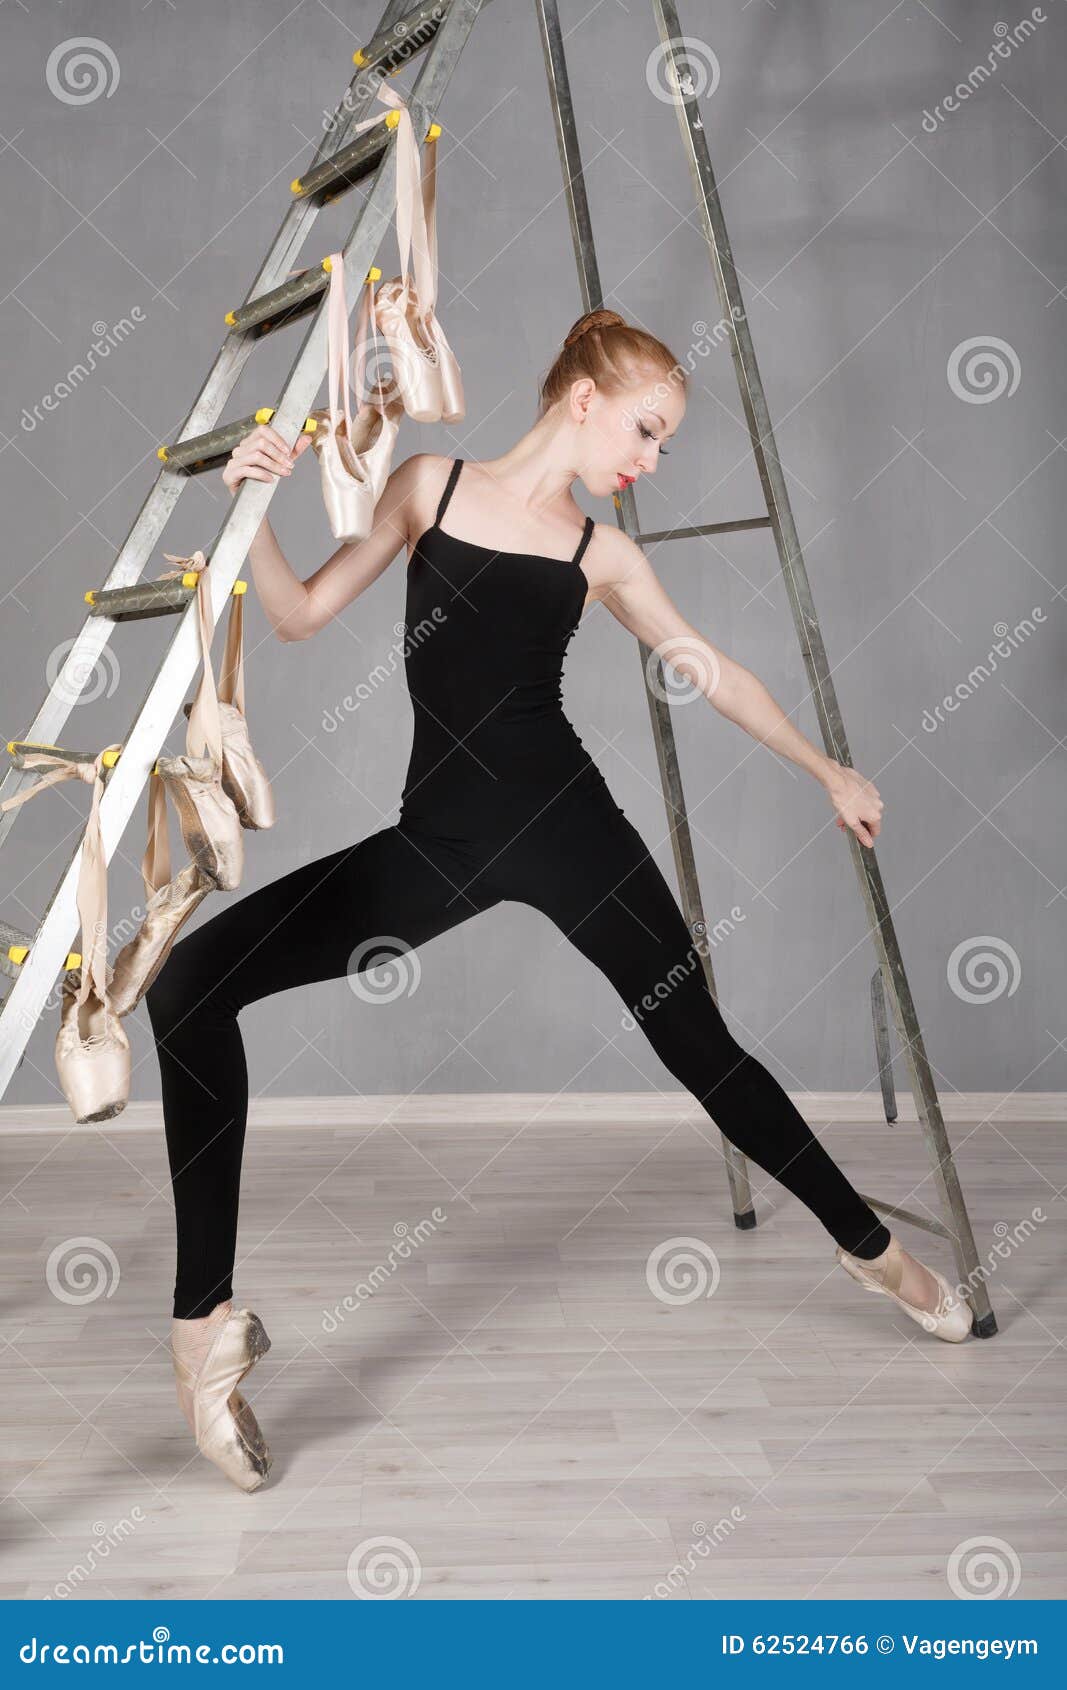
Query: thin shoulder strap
pixel 447 494
pixel 587 535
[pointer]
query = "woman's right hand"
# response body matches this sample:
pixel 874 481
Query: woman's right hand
pixel 262 456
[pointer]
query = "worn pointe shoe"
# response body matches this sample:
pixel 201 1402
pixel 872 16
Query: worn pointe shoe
pixel 209 822
pixel 167 911
pixel 244 779
pixel 92 1053
pixel 951 1319
pixel 223 1424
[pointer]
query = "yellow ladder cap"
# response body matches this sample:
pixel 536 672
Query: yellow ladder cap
pixel 18 953
pixel 433 132
pixel 392 118
pixel 264 414
pixel 295 185
pixel 240 587
pixel 359 57
pixel 110 758
pixel 161 452
pixel 230 318
pixel 190 578
pixel 90 597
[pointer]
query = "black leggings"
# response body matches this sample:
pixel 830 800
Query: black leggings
pixel 585 866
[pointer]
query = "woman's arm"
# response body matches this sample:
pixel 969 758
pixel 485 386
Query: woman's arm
pixel 297 609
pixel 636 597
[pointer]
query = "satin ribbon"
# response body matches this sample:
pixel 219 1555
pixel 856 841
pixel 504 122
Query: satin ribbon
pixel 92 875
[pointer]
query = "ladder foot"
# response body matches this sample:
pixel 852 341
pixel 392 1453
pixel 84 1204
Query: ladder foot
pixel 745 1221
pixel 986 1327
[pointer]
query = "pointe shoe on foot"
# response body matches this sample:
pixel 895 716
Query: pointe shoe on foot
pixel 951 1319
pixel 222 1422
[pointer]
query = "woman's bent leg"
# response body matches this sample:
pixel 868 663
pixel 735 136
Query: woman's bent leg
pixel 327 919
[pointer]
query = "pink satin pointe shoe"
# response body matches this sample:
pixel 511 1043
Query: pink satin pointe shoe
pixel 354 454
pixel 221 1420
pixel 92 1054
pixel 209 823
pixel 951 1320
pixel 166 912
pixel 244 779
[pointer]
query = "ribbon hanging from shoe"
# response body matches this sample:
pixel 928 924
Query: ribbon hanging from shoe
pixel 92 874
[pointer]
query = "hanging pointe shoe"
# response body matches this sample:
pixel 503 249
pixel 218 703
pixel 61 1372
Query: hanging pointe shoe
pixel 951 1319
pixel 244 779
pixel 354 453
pixel 208 1367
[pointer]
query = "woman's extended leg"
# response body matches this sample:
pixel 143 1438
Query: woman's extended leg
pixel 588 869
pixel 333 917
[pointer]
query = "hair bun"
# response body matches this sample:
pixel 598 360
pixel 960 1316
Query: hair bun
pixel 599 319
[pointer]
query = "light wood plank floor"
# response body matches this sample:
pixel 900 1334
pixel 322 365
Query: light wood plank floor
pixel 512 1407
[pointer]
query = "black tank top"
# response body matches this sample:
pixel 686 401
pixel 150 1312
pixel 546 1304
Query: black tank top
pixel 486 633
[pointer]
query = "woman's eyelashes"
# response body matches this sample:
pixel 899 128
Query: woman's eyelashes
pixel 648 434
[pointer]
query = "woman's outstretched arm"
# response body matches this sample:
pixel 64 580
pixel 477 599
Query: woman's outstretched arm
pixel 297 609
pixel 627 584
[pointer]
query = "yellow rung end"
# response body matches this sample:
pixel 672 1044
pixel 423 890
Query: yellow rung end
pixel 310 426
pixel 240 587
pixel 359 57
pixel 90 597
pixel 373 274
pixel 393 117
pixel 231 318
pixel 327 265
pixel 18 953
pixel 161 452
pixel 296 186
pixel 74 960
pixel 110 758
pixel 264 414
pixel 190 578
pixel 433 132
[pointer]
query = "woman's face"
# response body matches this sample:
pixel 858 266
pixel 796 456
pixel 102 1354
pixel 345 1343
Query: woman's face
pixel 623 432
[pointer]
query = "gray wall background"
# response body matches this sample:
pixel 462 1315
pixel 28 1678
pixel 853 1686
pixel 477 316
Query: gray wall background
pixel 871 249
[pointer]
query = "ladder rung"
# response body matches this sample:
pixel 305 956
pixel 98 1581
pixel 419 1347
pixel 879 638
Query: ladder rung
pixel 925 1222
pixel 344 168
pixel 15 948
pixel 395 46
pixel 20 748
pixel 147 598
pixel 207 451
pixel 704 528
pixel 290 300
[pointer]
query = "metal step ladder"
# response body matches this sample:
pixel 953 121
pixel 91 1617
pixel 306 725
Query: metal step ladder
pixel 889 979
pixel 440 28
pixel 275 299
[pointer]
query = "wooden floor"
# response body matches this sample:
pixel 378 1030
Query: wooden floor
pixel 512 1408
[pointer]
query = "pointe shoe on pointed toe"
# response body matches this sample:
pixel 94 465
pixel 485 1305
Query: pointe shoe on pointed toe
pixel 951 1320
pixel 223 1424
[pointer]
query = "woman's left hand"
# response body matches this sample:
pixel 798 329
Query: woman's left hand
pixel 856 801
